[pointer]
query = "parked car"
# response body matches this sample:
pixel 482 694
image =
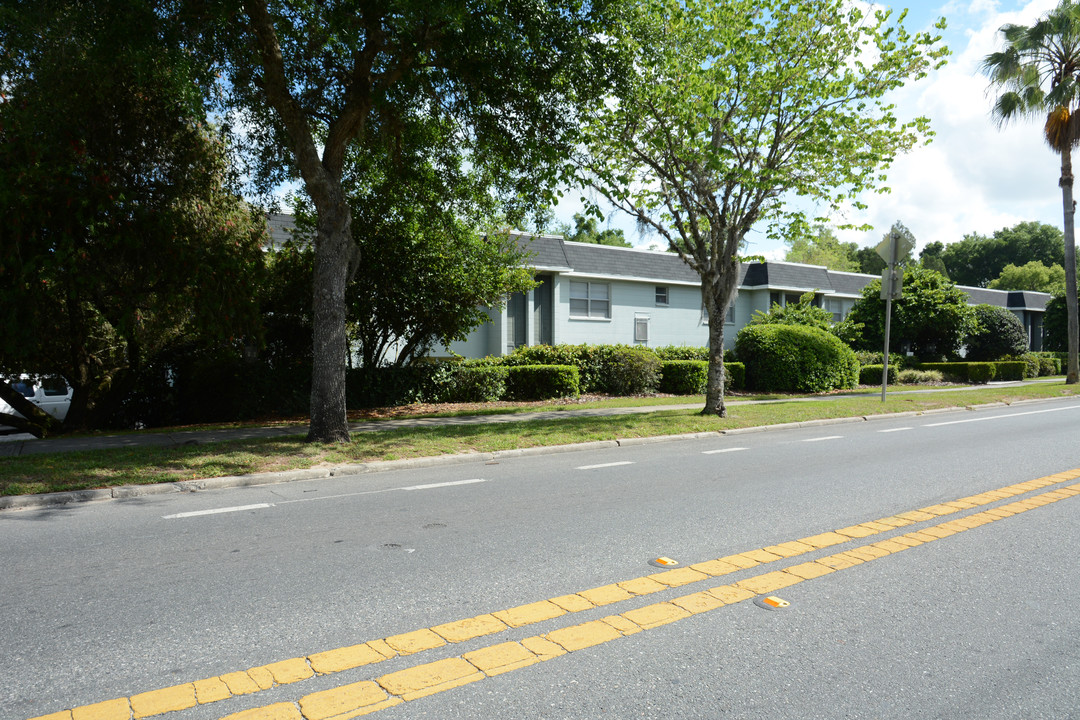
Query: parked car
pixel 50 393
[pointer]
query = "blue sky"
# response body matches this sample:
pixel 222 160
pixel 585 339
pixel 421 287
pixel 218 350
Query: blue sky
pixel 974 177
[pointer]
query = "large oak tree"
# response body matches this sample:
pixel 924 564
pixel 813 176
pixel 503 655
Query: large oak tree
pixel 316 80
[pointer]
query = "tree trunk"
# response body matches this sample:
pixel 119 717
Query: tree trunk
pixel 34 420
pixel 717 294
pixel 334 256
pixel 1072 375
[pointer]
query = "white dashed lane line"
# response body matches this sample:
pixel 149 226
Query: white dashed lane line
pixel 725 450
pixel 604 465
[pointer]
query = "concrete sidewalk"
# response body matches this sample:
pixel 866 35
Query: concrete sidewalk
pixel 22 445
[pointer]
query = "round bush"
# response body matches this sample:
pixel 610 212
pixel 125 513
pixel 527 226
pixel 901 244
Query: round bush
pixel 794 358
pixel 1000 334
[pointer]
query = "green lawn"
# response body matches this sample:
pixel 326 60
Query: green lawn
pixel 135 466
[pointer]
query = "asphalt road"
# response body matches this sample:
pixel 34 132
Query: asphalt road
pixel 108 600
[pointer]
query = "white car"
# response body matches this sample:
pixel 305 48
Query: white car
pixel 51 393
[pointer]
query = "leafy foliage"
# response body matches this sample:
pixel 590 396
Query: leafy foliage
pixel 540 382
pixel 120 234
pixel 586 230
pixel 319 84
pixel 932 318
pixel 740 104
pixel 978 260
pixel 1031 276
pixel 803 312
pixel 822 247
pixel 998 334
pixel 793 358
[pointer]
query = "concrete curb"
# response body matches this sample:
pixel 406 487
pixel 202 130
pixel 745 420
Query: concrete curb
pixel 19 502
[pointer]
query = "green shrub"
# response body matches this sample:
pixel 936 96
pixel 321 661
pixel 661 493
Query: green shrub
pixel 950 371
pixel 477 383
pixel 919 377
pixel 1010 369
pixel 872 357
pixel 541 382
pixel 629 370
pixel 585 358
pixel 684 377
pixel 391 385
pixel 1031 364
pixel 871 374
pixel 981 372
pixel 682 352
pixel 735 375
pixel 1049 366
pixel 999 334
pixel 795 358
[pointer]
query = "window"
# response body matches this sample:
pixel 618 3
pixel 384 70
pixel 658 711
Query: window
pixel 836 307
pixel 590 300
pixel 54 386
pixel 661 295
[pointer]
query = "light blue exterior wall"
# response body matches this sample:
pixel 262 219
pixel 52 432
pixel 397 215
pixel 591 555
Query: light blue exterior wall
pixel 680 322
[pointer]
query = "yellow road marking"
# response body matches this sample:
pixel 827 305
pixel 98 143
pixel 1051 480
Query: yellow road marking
pixel 331 661
pixel 430 678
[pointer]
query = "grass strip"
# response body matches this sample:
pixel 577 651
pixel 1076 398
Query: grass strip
pixel 140 466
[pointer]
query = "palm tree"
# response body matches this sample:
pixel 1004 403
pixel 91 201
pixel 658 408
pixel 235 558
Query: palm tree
pixel 1038 71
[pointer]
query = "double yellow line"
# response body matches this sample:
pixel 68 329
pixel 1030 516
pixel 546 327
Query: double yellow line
pixel 361 698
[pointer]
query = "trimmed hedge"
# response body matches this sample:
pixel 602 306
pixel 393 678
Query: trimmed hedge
pixel 981 372
pixel 542 382
pixel 684 377
pixel 477 383
pixel 612 369
pixel 795 358
pixel 682 352
pixel 1010 369
pixel 871 374
pixel 735 375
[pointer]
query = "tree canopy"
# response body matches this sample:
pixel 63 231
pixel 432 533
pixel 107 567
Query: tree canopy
pixel 932 319
pixel 822 247
pixel 120 231
pixel 586 229
pixel 740 105
pixel 1031 276
pixel 314 81
pixel 977 259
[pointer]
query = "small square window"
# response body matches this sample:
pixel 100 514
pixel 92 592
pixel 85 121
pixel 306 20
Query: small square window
pixel 661 295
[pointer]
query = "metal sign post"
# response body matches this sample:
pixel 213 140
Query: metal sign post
pixel 890 251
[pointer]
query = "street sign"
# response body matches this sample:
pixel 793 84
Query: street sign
pixel 885 249
pixel 892 282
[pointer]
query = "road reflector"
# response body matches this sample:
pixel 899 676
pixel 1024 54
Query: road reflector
pixel 664 562
pixel 771 603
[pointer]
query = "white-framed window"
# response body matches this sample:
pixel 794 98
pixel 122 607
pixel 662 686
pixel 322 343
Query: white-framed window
pixel 662 295
pixel 590 299
pixel 836 307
